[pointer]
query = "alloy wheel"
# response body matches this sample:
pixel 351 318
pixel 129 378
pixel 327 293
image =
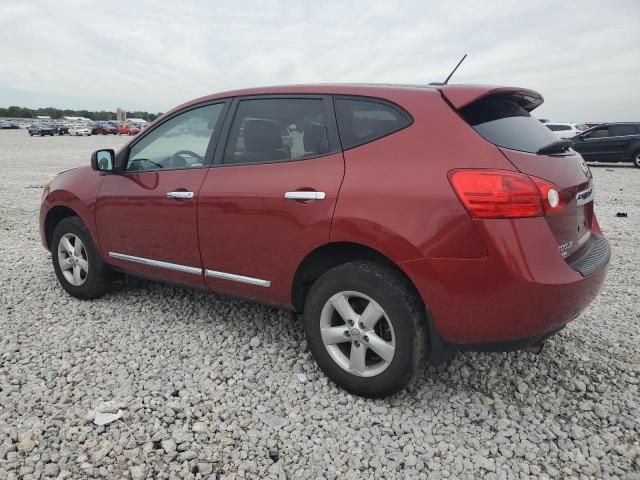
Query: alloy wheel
pixel 73 259
pixel 357 333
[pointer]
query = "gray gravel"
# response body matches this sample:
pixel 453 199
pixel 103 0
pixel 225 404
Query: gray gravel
pixel 208 387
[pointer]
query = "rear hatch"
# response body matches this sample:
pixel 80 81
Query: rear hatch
pixel 502 117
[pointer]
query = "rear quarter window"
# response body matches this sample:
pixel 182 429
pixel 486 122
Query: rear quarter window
pixel 623 130
pixel 362 121
pixel 501 120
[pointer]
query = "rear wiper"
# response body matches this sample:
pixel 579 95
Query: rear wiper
pixel 558 146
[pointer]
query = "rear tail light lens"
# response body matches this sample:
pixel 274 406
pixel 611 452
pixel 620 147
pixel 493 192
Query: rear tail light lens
pixel 504 194
pixel 551 201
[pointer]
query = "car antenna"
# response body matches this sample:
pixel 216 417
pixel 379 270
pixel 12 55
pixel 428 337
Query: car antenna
pixel 451 74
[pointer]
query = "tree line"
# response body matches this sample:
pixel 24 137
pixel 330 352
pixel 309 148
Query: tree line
pixel 23 112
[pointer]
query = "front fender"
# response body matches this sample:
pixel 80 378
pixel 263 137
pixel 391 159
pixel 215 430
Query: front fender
pixel 75 190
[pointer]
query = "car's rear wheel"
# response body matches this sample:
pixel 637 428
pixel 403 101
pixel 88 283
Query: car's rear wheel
pixel 76 262
pixel 636 159
pixel 366 328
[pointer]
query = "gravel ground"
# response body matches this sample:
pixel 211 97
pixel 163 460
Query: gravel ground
pixel 207 387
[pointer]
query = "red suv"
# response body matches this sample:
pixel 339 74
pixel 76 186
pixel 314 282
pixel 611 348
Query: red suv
pixel 402 222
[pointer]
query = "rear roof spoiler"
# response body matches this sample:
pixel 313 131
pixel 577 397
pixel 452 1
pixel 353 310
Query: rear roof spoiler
pixel 462 95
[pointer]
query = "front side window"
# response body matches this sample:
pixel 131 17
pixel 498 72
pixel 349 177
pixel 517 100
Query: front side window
pixel 362 121
pixel 277 130
pixel 623 130
pixel 180 142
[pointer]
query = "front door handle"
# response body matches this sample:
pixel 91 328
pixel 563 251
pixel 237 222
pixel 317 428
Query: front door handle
pixel 180 195
pixel 304 195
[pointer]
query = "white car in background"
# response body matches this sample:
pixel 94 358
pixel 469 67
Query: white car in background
pixel 79 130
pixel 565 130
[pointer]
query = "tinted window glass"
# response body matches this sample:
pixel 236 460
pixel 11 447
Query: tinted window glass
pixel 557 128
pixel 598 133
pixel 361 121
pixel 277 130
pixel 622 130
pixel 178 143
pixel 503 122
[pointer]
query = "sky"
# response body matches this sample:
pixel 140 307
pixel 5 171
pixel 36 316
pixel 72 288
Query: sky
pixel 584 57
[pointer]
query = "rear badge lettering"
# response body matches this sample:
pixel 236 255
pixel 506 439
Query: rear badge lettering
pixel 585 168
pixel 565 249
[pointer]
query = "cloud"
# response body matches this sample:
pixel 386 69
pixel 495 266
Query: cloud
pixel 153 55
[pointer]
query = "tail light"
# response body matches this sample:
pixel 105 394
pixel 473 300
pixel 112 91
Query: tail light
pixel 504 194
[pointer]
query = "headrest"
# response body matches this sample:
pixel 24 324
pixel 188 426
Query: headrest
pixel 262 135
pixel 315 139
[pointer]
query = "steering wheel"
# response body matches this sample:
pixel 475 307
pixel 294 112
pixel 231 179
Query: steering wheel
pixel 178 155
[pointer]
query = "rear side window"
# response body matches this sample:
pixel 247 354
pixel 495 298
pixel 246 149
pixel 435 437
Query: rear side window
pixel 623 130
pixel 361 121
pixel 598 133
pixel 501 120
pixel 277 130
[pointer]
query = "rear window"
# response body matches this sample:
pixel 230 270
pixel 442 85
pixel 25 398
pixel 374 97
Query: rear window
pixel 623 130
pixel 557 128
pixel 361 121
pixel 501 120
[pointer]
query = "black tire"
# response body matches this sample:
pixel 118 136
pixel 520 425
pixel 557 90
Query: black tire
pixel 405 313
pixel 96 280
pixel 636 159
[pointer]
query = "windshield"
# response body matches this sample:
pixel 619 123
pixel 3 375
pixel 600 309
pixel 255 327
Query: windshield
pixel 501 120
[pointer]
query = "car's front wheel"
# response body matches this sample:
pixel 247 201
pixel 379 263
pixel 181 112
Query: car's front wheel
pixel 76 261
pixel 366 328
pixel 636 159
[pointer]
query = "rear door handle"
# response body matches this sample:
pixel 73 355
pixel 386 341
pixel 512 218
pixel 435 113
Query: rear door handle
pixel 305 195
pixel 180 195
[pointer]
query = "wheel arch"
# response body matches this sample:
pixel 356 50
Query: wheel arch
pixel 55 216
pixel 331 255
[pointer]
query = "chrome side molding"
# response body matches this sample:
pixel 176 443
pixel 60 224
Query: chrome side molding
pixel 237 278
pixel 157 263
pixel 194 270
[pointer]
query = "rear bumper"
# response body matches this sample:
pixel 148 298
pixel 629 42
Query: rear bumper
pixel 521 292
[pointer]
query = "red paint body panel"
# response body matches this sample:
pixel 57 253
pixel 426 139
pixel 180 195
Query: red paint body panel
pixel 135 217
pixel 524 288
pixel 248 228
pixel 394 198
pixel 75 189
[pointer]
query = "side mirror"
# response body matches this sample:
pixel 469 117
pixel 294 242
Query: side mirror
pixel 103 160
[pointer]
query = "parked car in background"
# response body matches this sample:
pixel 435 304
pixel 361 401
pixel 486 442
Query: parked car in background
pixel 104 129
pixel 60 128
pixel 79 130
pixel 497 250
pixel 565 130
pixel 40 129
pixel 8 125
pixel 125 129
pixel 610 142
